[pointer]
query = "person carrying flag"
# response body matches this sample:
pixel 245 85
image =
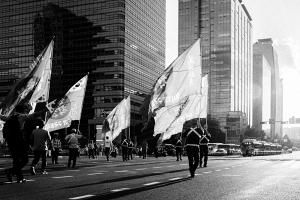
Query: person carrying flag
pixel 124 145
pixel 192 141
pixel 179 149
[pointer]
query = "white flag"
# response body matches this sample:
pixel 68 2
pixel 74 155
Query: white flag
pixel 69 108
pixel 41 92
pixel 169 121
pixel 23 91
pixel 176 97
pixel 118 119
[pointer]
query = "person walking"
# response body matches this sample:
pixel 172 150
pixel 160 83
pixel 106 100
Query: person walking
pixel 56 147
pixel 204 147
pixel 108 147
pixel 144 149
pixel 124 145
pixel 40 138
pixel 192 147
pixel 130 150
pixel 72 140
pixel 91 150
pixel 178 148
pixel 17 140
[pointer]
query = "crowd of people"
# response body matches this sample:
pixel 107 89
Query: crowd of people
pixel 21 139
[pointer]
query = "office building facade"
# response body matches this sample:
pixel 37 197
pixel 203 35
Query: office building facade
pixel 225 29
pixel 261 92
pixel 264 48
pixel 121 43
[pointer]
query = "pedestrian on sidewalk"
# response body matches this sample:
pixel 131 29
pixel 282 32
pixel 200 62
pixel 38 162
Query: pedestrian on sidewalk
pixel 40 138
pixel 56 148
pixel 192 147
pixel 72 140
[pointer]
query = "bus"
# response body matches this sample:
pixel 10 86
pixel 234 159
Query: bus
pixel 253 147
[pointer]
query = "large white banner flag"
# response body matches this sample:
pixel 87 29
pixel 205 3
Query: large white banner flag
pixel 25 88
pixel 177 93
pixel 69 108
pixel 170 120
pixel 41 92
pixel 118 119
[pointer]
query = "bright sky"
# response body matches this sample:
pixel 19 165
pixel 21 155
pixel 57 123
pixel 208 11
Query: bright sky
pixel 276 19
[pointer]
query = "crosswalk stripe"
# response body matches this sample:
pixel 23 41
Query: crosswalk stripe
pixel 152 183
pixel 207 172
pixel 157 167
pixel 82 197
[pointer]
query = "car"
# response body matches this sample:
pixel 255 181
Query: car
pixel 220 152
pixel 290 150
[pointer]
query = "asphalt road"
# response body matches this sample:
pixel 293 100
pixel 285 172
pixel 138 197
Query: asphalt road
pixel 234 177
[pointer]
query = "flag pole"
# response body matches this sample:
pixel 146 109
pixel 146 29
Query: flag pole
pixel 83 100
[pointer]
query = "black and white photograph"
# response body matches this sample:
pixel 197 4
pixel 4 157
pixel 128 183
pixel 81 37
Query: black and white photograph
pixel 149 99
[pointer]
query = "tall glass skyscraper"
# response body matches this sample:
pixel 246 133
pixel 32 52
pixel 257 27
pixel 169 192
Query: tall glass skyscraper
pixel 120 42
pixel 264 48
pixel 225 29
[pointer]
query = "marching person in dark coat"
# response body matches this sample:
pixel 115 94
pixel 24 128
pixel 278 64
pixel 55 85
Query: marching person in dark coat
pixel 124 145
pixel 192 147
pixel 178 149
pixel 204 146
pixel 17 140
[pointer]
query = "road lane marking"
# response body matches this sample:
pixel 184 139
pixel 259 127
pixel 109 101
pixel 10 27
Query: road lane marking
pixel 119 190
pixel 152 183
pixel 157 167
pixel 226 168
pixel 122 171
pixel 27 180
pixel 58 177
pixel 174 179
pixel 218 170
pixel 207 172
pixel 82 197
pixel 140 169
pixel 92 174
pixel 171 166
pixel 230 175
pixel 198 174
pixel 183 164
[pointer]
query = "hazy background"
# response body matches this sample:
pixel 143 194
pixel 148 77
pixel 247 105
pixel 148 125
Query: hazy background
pixel 276 19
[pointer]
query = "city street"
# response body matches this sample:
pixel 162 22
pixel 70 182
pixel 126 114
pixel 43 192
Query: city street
pixel 229 177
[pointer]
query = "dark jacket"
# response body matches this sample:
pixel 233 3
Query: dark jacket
pixel 193 136
pixel 205 138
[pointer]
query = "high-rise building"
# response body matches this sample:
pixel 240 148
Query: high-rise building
pixel 264 48
pixel 225 29
pixel 261 92
pixel 120 43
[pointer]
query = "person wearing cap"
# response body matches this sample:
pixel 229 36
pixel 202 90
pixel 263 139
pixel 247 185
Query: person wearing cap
pixel 192 147
pixel 72 140
pixel 56 147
